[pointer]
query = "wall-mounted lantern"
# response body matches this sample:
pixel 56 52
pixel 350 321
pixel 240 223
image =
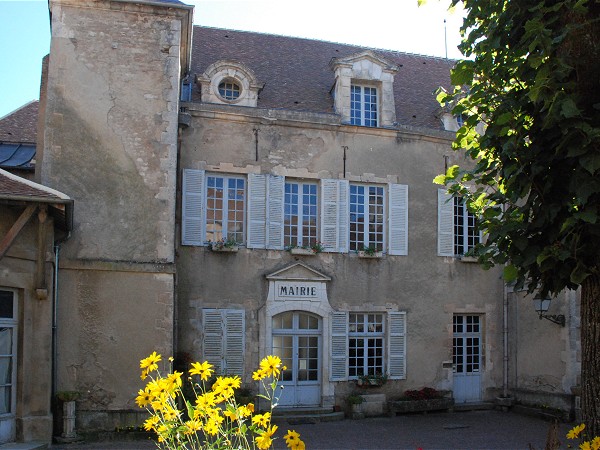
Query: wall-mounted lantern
pixel 542 305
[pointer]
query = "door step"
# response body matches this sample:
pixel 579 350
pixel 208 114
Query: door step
pixel 24 446
pixel 295 416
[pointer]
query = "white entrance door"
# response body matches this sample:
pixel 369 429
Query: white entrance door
pixel 467 358
pixel 8 350
pixel 297 341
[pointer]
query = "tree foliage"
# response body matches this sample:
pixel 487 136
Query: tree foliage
pixel 532 79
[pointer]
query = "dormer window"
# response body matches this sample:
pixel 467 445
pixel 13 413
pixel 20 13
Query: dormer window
pixel 363 105
pixel 229 82
pixel 363 93
pixel 229 90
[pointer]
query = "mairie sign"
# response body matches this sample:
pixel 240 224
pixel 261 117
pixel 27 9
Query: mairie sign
pixel 285 290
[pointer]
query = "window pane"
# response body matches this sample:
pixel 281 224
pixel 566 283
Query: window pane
pixel 6 305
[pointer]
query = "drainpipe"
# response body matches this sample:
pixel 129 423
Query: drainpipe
pixel 505 341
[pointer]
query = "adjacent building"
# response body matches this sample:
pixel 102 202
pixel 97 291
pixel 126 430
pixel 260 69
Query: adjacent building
pixel 229 195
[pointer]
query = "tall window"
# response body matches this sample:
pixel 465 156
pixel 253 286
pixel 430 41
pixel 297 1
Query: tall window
pixel 363 106
pixel 225 203
pixel 300 226
pixel 466 235
pixel 365 344
pixel 366 217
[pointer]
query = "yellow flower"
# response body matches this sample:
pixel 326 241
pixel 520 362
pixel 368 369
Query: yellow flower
pixel 259 375
pixel 150 363
pixel 224 386
pixel 150 423
pixel 202 369
pixel 596 443
pixel 173 381
pixel 585 446
pixel 246 410
pixel 575 431
pixel 265 440
pixel 192 426
pixel 159 402
pixel 291 437
pixel 271 365
pixel 144 397
pixel 170 413
pixel 206 400
pixel 232 414
pixel 262 420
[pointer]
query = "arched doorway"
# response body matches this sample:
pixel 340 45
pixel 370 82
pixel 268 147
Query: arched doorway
pixel 296 339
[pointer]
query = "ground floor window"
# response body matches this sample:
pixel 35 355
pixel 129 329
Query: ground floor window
pixel 365 344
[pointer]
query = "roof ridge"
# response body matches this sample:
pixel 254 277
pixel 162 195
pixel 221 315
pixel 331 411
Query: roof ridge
pixel 19 108
pixel 377 49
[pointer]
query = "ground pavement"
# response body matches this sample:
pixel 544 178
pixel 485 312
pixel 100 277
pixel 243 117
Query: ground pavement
pixel 470 430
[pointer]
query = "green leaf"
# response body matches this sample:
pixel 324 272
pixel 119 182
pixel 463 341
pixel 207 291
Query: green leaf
pixel 569 109
pixel 579 274
pixel 440 179
pixel 510 273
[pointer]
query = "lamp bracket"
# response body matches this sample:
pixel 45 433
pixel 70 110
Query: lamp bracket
pixel 558 319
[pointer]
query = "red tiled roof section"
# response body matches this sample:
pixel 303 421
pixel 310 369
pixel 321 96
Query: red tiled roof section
pixel 297 75
pixel 9 187
pixel 20 127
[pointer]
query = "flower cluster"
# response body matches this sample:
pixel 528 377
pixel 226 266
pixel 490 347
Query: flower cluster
pixel 575 433
pixel 214 419
pixel 426 393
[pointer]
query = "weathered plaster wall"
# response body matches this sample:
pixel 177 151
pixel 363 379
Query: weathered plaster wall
pixel 17 271
pixel 429 288
pixel 109 137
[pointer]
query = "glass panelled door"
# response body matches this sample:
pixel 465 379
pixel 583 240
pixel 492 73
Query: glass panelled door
pixel 8 349
pixel 297 341
pixel 467 358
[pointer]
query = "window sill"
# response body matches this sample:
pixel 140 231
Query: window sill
pixel 376 255
pixel 302 251
pixel 468 259
pixel 217 249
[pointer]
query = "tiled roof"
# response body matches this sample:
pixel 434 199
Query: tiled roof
pixel 20 126
pixel 13 187
pixel 297 75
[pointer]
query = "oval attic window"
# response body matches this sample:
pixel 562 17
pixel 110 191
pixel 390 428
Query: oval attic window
pixel 229 90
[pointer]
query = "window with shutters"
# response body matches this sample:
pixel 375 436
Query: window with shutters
pixel 368 343
pixel 457 226
pixel 367 221
pixel 300 223
pixel 223 343
pixel 225 208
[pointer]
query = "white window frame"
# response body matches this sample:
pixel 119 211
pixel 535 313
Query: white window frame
pixel 12 323
pixel 466 236
pixel 366 204
pixel 448 217
pixel 360 98
pixel 369 321
pixel 225 219
pixel 302 238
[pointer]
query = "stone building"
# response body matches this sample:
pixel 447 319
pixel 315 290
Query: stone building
pixel 240 194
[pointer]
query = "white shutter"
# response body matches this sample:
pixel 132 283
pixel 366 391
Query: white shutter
pixel 339 346
pixel 234 341
pixel 212 342
pixel 257 211
pixel 275 197
pixel 397 345
pixel 445 224
pixel 334 215
pixel 398 219
pixel 192 226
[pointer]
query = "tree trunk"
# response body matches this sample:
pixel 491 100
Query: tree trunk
pixel 590 359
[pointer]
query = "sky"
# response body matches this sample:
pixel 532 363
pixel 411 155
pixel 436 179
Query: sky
pixel 386 24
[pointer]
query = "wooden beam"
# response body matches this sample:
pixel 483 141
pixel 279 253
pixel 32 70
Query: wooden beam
pixel 12 234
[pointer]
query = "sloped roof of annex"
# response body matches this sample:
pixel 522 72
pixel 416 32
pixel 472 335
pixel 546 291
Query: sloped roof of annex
pixel 297 75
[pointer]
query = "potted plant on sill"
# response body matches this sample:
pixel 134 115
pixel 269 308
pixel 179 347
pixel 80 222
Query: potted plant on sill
pixel 224 245
pixel 369 252
pixel 307 250
pixel 355 402
pixel 376 379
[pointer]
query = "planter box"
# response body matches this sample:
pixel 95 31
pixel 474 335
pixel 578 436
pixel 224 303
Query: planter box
pixel 376 255
pixel 411 406
pixel 302 251
pixel 217 249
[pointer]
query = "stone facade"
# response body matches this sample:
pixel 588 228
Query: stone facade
pixel 157 180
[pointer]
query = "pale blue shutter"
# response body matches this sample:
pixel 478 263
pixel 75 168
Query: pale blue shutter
pixel 397 345
pixel 339 346
pixel 212 338
pixel 398 219
pixel 445 224
pixel 234 341
pixel 257 211
pixel 275 197
pixel 193 207
pixel 335 215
